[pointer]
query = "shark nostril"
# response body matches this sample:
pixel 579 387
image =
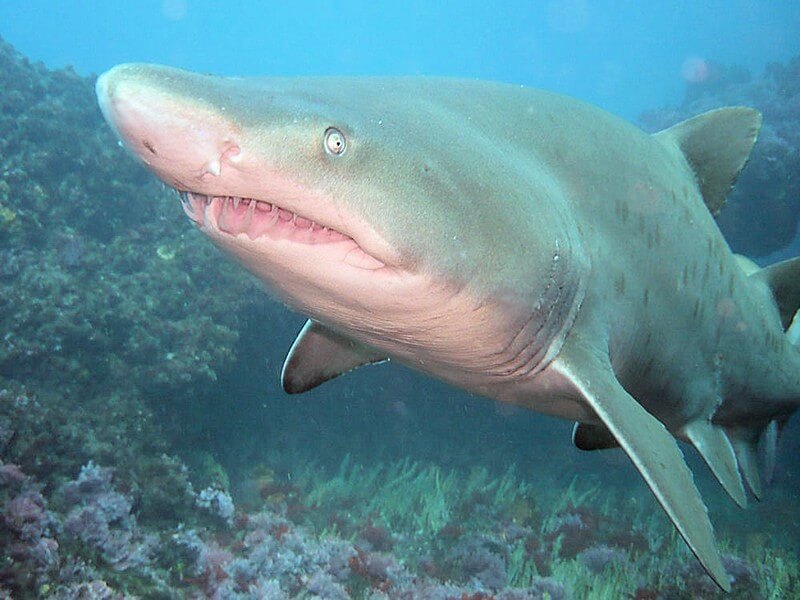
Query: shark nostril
pixel 149 145
pixel 231 153
pixel 214 166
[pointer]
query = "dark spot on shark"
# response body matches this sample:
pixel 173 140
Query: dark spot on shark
pixel 148 144
pixel 619 284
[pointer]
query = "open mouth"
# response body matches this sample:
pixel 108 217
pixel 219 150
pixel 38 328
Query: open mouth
pixel 259 219
pixel 255 219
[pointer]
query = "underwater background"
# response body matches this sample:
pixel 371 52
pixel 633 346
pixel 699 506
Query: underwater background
pixel 146 448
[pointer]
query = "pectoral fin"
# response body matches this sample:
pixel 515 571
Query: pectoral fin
pixel 320 354
pixel 648 444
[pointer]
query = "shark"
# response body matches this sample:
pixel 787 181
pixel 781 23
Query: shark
pixel 519 244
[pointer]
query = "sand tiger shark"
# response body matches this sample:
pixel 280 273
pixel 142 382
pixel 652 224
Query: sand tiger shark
pixel 516 243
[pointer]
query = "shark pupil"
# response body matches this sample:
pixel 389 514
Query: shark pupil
pixel 335 142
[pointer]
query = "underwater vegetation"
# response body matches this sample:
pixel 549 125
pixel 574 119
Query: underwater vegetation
pixel 448 535
pixel 117 318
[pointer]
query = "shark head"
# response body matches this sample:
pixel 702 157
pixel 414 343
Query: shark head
pixel 365 204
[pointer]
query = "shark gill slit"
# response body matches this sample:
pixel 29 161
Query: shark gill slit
pixel 552 319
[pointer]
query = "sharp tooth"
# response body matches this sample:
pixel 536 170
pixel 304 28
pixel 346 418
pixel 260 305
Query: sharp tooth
pixel 186 204
pixel 206 212
pixel 248 220
pixel 236 201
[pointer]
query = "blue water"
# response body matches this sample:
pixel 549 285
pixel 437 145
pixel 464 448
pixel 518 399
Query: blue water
pixel 623 55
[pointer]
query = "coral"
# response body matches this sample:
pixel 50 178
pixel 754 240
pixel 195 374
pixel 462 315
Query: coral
pixel 217 502
pixel 50 440
pixel 598 557
pixel 11 474
pixel 479 563
pixel 376 537
pixel 29 552
pixel 92 590
pixel 323 585
pixel 101 518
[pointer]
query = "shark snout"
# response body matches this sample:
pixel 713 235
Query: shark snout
pixel 185 141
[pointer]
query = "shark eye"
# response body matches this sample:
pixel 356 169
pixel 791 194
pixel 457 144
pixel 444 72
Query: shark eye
pixel 335 142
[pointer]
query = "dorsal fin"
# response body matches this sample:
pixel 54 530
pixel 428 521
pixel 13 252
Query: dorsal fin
pixel 783 280
pixel 320 354
pixel 716 145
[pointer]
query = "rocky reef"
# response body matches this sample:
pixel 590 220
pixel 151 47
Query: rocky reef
pixel 96 290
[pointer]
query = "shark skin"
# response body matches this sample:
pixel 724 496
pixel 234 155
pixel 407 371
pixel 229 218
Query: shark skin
pixel 518 244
